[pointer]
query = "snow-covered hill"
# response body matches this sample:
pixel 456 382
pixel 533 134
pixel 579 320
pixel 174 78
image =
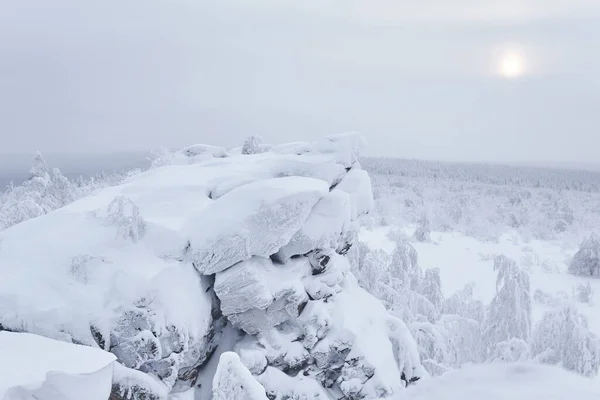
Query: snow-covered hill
pixel 215 252
pixel 271 272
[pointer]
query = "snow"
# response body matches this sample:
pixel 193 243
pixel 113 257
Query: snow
pixel 326 224
pixel 358 185
pixel 520 381
pixel 383 341
pixel 256 294
pixel 67 370
pixel 231 275
pixel 270 213
pixel 233 381
pixel 131 381
pixel 283 386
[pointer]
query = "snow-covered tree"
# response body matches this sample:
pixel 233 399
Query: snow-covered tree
pixel 39 170
pixel 509 314
pixel 465 335
pixel 587 260
pixel 462 303
pixel 509 351
pixel 423 232
pixel 404 265
pixel 125 214
pixel 431 287
pixel 583 293
pixel 435 346
pixel 563 337
pixel 254 145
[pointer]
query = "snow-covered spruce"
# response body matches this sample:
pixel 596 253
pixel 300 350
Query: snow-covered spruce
pixel 563 337
pixel 157 269
pixel 586 261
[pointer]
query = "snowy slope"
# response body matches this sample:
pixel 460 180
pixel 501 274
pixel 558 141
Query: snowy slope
pixel 37 367
pixel 479 265
pixel 463 259
pixel 522 381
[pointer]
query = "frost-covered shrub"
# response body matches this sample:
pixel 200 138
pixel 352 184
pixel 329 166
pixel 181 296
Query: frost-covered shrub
pixel 434 344
pixel 160 157
pixel 546 299
pixel 423 231
pixel 373 270
pixel 46 190
pixel 254 145
pixel 462 303
pixel 563 336
pixel 123 213
pixel 509 315
pixel 583 293
pixel 465 335
pixel 586 261
pixel 430 286
pixel 404 265
pixel 509 351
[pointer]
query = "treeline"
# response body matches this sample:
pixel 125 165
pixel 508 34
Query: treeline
pixel 533 177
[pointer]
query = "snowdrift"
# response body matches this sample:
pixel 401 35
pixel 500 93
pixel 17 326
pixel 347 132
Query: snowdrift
pixel 165 269
pixel 35 367
pixel 520 381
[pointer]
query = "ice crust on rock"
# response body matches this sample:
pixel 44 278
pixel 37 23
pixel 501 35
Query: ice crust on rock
pixel 216 251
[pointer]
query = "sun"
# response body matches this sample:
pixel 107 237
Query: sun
pixel 512 65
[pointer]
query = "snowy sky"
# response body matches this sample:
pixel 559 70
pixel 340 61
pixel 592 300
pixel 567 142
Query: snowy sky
pixel 412 76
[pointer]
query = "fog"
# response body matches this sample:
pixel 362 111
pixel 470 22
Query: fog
pixel 418 81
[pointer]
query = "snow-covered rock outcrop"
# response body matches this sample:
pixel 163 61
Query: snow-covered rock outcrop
pixel 160 269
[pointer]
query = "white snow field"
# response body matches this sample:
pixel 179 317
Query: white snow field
pixel 272 272
pixel 35 367
pixel 518 381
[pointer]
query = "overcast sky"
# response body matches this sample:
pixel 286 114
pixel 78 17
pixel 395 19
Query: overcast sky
pixel 415 77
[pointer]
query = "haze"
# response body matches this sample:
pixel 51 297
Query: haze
pixel 416 80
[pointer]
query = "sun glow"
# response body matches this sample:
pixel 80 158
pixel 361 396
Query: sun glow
pixel 511 65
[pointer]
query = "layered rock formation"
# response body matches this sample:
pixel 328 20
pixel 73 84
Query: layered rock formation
pixel 216 252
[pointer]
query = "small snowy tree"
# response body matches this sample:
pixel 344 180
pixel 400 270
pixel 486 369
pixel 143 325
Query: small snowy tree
pixel 374 271
pixel 509 351
pixel 465 335
pixel 125 214
pixel 434 344
pixel 587 260
pixel 160 157
pixel 404 265
pixel 462 303
pixel 563 336
pixel 583 293
pixel 509 315
pixel 423 232
pixel 233 381
pixel 431 287
pixel 254 145
pixel 39 170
